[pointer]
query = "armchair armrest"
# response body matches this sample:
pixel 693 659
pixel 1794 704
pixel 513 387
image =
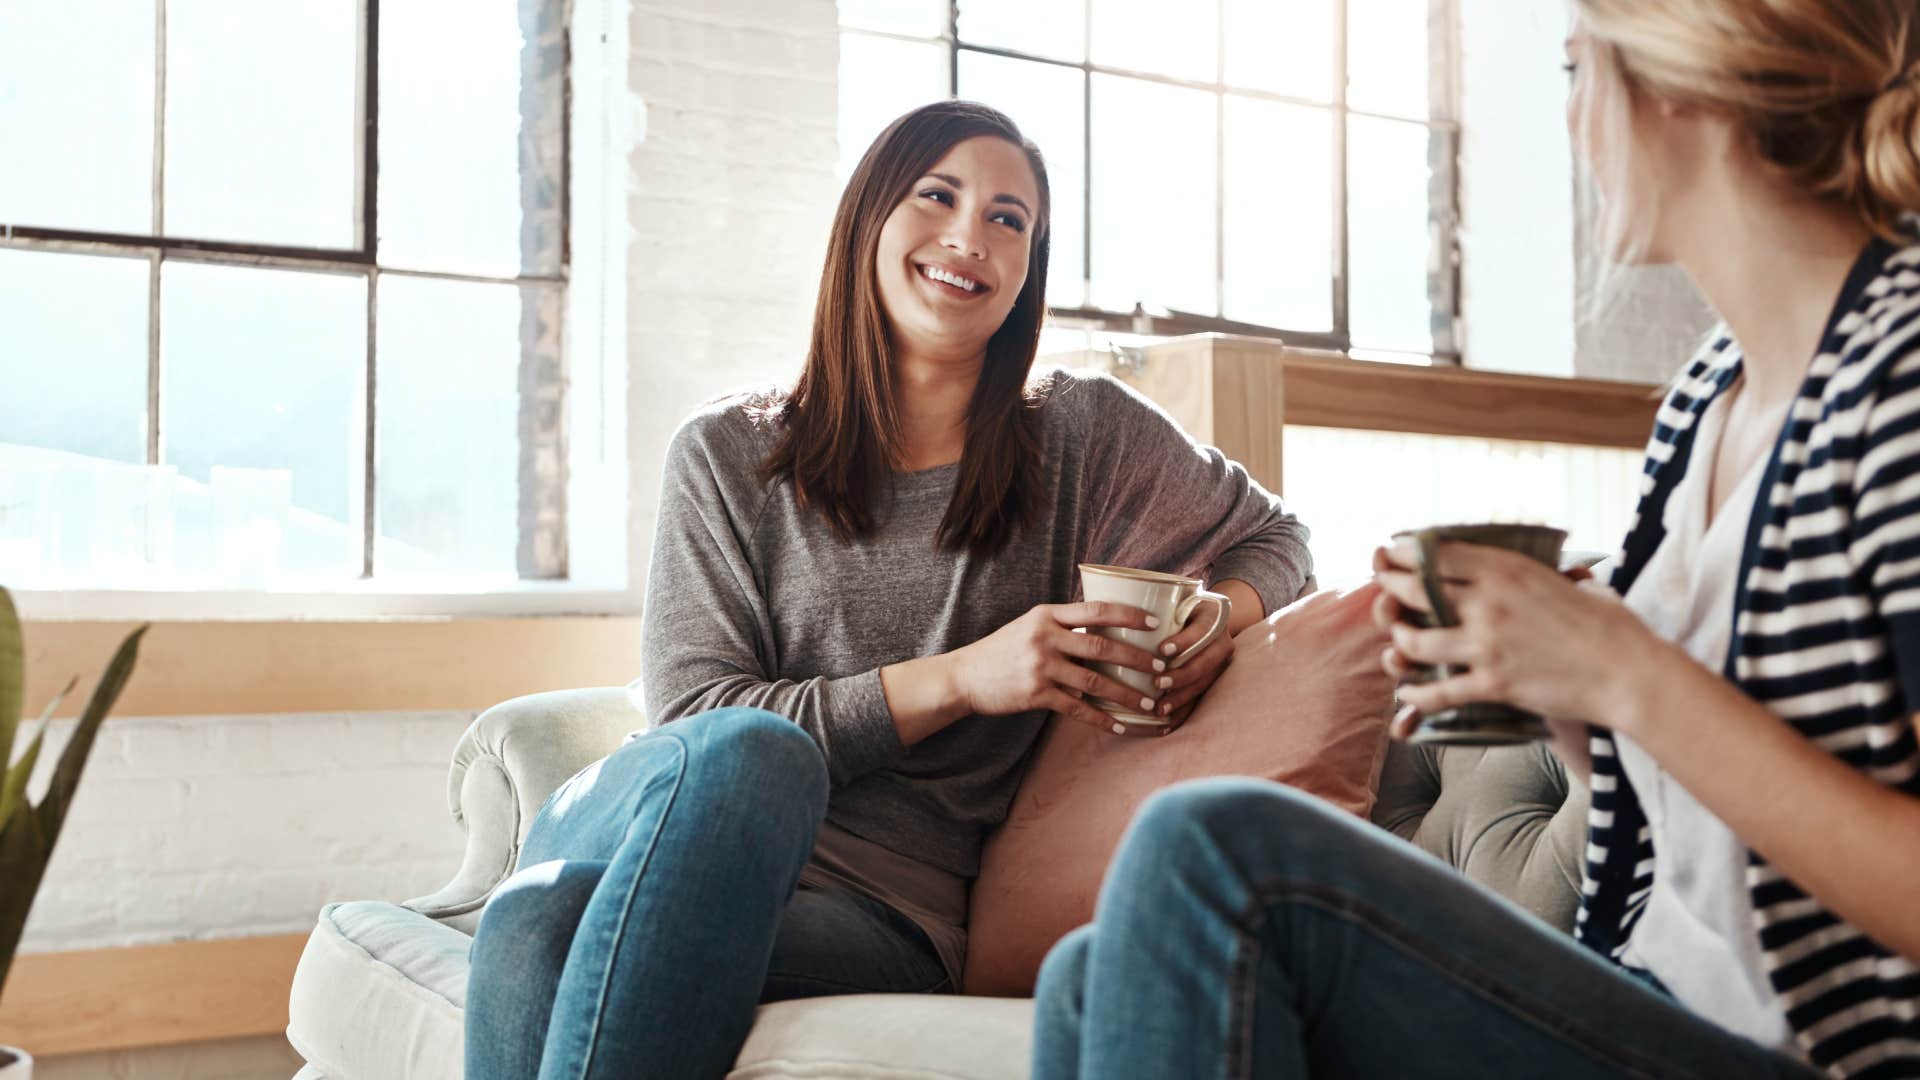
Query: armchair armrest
pixel 512 757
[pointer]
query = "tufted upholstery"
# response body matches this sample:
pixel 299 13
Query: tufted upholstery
pixel 1508 817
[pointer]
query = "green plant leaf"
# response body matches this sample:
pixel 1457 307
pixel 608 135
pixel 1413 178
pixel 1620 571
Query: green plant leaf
pixel 13 674
pixel 13 785
pixel 23 860
pixel 73 759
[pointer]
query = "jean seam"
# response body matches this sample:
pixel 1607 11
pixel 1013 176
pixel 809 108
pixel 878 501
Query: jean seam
pixel 858 988
pixel 1341 904
pixel 1240 1006
pixel 626 908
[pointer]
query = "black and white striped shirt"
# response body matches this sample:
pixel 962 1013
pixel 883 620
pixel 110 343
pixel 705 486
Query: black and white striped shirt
pixel 1826 634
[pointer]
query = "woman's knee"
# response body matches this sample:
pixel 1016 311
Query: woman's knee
pixel 1063 974
pixel 1243 820
pixel 754 751
pixel 529 921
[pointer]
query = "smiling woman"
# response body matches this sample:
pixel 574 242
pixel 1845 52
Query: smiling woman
pixel 950 191
pixel 859 619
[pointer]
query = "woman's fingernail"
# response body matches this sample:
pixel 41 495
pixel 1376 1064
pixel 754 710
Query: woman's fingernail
pixel 1168 648
pixel 1159 665
pixel 1163 682
pixel 1167 709
pixel 1146 703
pixel 1153 622
pixel 1119 729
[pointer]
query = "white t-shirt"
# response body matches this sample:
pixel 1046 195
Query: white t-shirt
pixel 1697 934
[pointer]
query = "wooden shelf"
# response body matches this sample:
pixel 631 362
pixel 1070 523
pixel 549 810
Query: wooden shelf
pixel 1240 393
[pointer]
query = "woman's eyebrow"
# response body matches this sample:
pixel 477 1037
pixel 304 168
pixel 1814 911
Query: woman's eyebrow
pixel 1003 197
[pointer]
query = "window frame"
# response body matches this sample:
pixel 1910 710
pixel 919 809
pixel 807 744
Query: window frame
pixel 589 575
pixel 1443 279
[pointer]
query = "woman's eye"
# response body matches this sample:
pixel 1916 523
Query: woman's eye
pixel 938 195
pixel 1011 221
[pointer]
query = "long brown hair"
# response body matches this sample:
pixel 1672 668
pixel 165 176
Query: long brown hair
pixel 841 437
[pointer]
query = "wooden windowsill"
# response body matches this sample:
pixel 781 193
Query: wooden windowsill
pixel 210 668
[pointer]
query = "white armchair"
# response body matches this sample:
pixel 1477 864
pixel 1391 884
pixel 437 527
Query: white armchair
pixel 381 988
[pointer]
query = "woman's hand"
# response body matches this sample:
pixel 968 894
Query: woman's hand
pixel 1033 662
pixel 1180 688
pixel 1527 637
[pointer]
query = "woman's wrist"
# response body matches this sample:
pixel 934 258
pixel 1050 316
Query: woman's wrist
pixel 923 694
pixel 1641 677
pixel 1247 607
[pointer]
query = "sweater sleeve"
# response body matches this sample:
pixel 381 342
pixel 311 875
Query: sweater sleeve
pixel 1161 501
pixel 707 633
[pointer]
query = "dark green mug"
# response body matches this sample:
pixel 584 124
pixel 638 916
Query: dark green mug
pixel 1481 723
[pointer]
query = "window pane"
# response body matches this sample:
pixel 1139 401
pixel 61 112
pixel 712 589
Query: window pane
pixel 263 384
pixel 470 126
pixel 74 489
pixel 76 115
pixel 1045 100
pixel 1388 481
pixel 1389 233
pixel 1279 215
pixel 75 374
pixel 880 78
pixel 1066 345
pixel 922 18
pixel 1388 66
pixel 1153 196
pixel 1055 28
pixel 1138 35
pixel 450 446
pixel 262 124
pixel 1281 47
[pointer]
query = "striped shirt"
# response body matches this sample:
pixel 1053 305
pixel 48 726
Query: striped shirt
pixel 1826 634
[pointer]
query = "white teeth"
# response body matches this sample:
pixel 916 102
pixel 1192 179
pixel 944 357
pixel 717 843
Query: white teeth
pixel 953 279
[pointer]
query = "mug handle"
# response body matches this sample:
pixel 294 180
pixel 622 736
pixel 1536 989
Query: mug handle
pixel 1185 611
pixel 1429 542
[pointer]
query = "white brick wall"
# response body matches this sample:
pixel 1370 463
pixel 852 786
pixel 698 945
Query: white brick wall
pixel 221 826
pixel 1516 186
pixel 731 194
pixel 202 827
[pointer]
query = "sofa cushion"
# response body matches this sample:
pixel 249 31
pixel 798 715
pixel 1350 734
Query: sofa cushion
pixel 381 990
pixel 379 993
pixel 889 1037
pixel 1305 702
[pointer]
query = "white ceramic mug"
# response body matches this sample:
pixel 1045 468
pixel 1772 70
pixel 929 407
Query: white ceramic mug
pixel 1168 597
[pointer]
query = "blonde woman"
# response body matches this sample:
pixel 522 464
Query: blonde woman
pixel 1743 701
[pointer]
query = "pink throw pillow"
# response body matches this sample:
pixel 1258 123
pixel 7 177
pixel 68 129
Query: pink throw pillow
pixel 1304 702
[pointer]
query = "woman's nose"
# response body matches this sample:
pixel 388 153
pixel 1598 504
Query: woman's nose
pixel 964 236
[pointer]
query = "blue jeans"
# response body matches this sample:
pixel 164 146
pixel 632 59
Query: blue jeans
pixel 1246 930
pixel 654 906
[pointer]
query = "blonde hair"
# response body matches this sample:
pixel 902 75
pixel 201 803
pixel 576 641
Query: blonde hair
pixel 1827 92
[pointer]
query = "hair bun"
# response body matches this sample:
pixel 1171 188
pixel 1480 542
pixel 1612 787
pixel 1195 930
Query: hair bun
pixel 1890 147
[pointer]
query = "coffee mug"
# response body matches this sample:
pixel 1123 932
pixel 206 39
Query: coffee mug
pixel 1481 723
pixel 1168 597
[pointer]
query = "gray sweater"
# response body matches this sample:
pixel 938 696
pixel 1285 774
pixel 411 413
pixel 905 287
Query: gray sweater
pixel 751 600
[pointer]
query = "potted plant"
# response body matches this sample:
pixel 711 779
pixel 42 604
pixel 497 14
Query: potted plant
pixel 27 832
